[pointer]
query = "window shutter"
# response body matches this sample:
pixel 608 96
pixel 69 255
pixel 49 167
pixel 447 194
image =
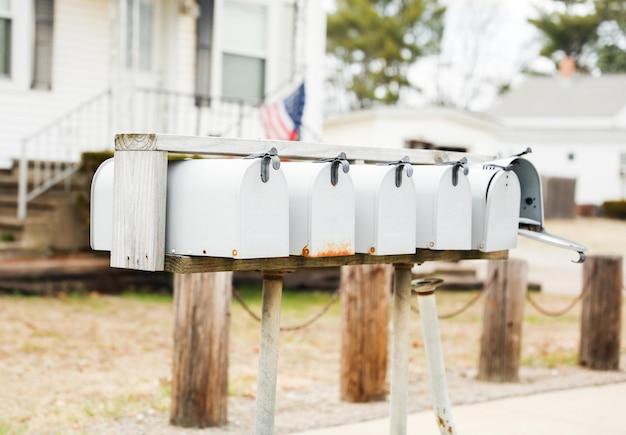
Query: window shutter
pixel 204 45
pixel 42 67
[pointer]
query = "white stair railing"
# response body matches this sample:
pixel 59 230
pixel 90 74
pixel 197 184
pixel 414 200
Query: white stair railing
pixel 53 153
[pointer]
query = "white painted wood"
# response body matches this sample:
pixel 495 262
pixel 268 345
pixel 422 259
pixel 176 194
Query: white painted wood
pixel 385 213
pixel 435 363
pixel 495 208
pixel 444 211
pixel 298 150
pixel 222 208
pixel 139 198
pixel 268 354
pixel 321 215
pixel 400 349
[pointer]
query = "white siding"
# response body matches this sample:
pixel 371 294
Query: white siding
pixel 81 68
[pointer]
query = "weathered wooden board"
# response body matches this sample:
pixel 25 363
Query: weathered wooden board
pixel 139 198
pixel 286 149
pixel 186 264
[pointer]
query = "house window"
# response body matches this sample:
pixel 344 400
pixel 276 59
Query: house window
pixel 204 47
pixel 42 56
pixel 245 51
pixel 417 144
pixel 5 38
pixel 139 34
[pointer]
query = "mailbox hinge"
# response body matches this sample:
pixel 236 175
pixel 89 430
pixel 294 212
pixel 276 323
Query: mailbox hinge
pixel 400 165
pixel 335 163
pixel 268 157
pixel 456 167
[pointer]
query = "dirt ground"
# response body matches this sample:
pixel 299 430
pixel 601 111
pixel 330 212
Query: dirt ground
pixel 101 364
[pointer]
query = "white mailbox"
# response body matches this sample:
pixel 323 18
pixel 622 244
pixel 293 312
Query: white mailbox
pixel 236 208
pixel 385 208
pixel 531 222
pixel 101 204
pixel 495 207
pixel 444 206
pixel 321 207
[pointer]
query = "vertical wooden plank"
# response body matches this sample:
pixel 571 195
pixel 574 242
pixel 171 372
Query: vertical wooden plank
pixel 200 355
pixel 601 319
pixel 139 195
pixel 501 339
pixel 365 292
pixel 268 358
pixel 400 352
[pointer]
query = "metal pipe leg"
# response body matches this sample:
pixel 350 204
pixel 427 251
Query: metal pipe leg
pixel 434 357
pixel 268 358
pixel 400 348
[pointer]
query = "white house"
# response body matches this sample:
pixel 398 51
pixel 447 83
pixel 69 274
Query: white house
pixel 72 72
pixel 576 128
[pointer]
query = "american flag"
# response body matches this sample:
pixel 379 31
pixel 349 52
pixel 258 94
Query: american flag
pixel 282 119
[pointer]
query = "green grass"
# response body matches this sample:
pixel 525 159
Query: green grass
pixel 11 429
pixel 156 298
pixel 551 359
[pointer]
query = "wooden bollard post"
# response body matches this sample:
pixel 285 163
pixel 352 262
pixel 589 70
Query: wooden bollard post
pixel 501 341
pixel 601 318
pixel 268 358
pixel 200 359
pixel 400 352
pixel 365 292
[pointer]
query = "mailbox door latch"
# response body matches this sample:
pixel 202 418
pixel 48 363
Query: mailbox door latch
pixel 401 165
pixel 340 161
pixel 268 157
pixel 457 166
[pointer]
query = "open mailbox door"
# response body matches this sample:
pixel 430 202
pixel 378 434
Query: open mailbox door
pixel 531 222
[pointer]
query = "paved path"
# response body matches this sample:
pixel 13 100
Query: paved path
pixel 588 411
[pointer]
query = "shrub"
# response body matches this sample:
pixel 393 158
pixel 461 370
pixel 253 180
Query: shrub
pixel 614 209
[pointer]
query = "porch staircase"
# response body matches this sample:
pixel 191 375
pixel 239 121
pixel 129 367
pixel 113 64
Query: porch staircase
pixel 22 237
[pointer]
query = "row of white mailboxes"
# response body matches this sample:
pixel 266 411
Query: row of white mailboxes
pixel 259 208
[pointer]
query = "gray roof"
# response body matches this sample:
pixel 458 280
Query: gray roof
pixel 581 96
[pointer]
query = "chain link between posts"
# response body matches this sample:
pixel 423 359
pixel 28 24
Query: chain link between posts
pixel 332 301
pixel 567 308
pixel 449 315
pixel 463 308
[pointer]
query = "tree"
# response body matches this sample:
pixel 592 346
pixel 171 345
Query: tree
pixel 612 35
pixel 567 33
pixel 375 42
pixel 594 35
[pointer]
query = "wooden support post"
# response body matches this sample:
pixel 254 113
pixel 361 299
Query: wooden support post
pixel 601 319
pixel 139 198
pixel 200 359
pixel 365 292
pixel 501 340
pixel 268 358
pixel 400 352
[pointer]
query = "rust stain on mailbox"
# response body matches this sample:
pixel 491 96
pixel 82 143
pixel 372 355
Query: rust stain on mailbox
pixel 443 424
pixel 330 250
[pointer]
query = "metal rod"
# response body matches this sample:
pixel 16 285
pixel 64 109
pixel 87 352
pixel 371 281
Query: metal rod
pixel 268 358
pixel 22 187
pixel 434 358
pixel 400 349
